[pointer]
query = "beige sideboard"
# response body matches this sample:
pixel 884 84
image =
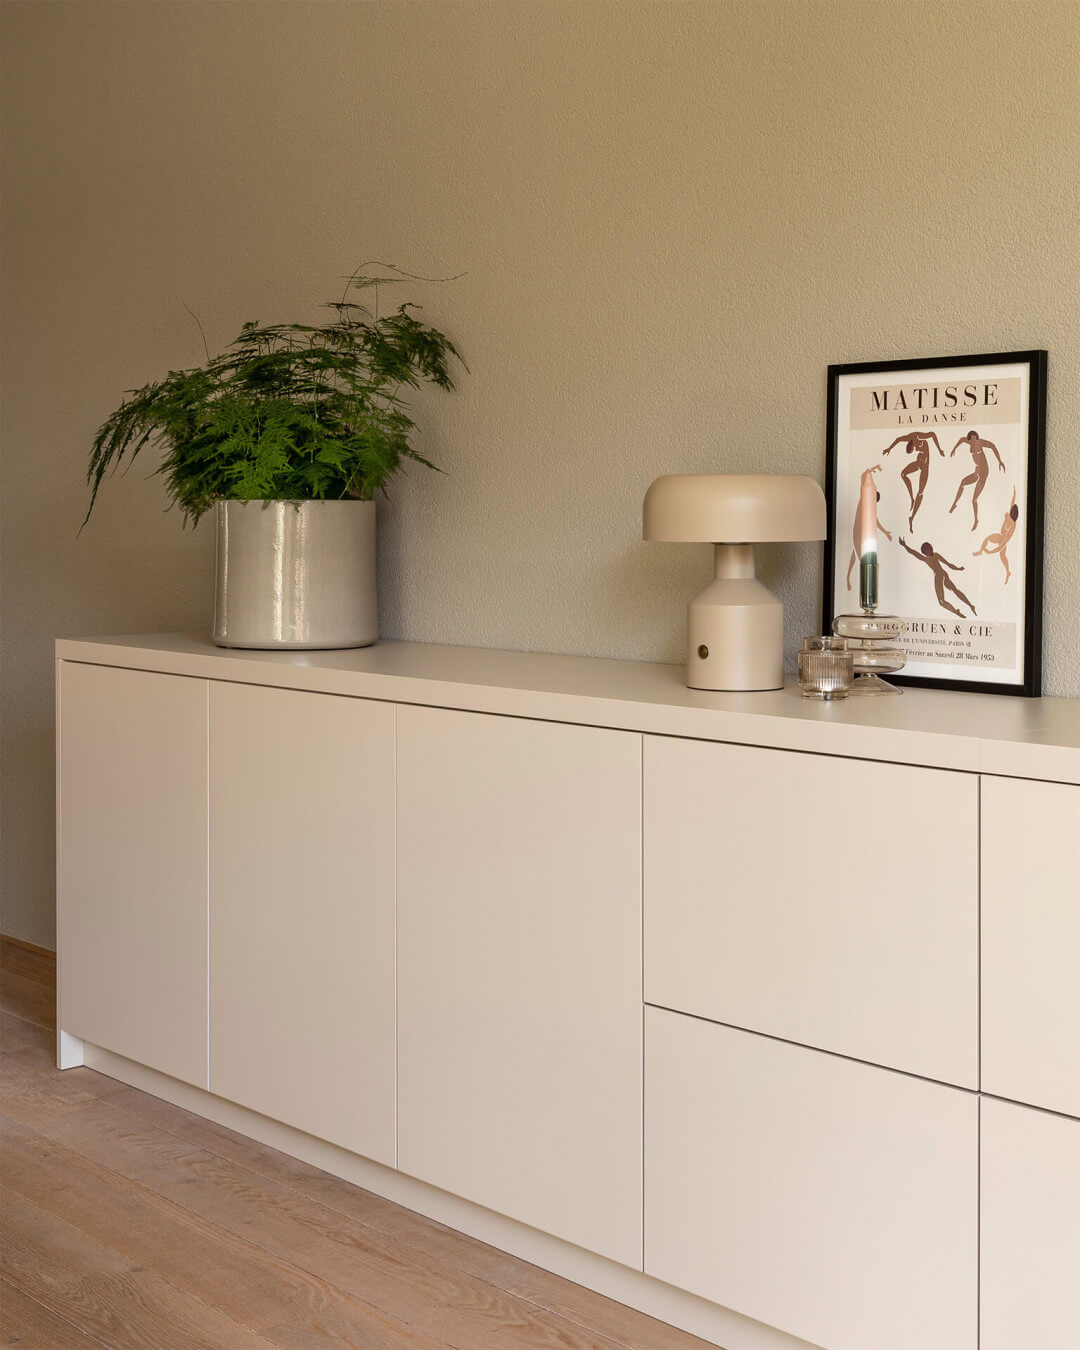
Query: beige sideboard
pixel 760 1015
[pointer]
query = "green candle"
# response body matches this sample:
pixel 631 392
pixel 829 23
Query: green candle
pixel 868 541
pixel 868 579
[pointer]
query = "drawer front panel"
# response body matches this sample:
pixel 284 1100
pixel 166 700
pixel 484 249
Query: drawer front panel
pixel 834 1200
pixel 132 884
pixel 1030 1278
pixel 831 902
pixel 519 970
pixel 1031 942
pixel 302 911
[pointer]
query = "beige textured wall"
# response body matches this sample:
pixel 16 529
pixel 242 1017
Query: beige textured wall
pixel 673 216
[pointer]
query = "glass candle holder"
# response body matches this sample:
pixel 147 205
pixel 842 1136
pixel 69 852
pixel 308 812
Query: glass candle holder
pixel 826 668
pixel 872 640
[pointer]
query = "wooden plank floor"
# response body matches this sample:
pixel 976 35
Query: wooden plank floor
pixel 131 1224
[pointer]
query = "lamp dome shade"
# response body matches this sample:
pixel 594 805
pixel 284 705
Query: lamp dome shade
pixel 743 508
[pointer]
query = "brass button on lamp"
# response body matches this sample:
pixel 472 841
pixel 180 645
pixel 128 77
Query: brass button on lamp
pixel 735 630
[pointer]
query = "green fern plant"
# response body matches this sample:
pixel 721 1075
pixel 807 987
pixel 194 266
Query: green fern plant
pixel 291 412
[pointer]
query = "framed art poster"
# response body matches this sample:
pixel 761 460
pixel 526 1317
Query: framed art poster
pixel 954 449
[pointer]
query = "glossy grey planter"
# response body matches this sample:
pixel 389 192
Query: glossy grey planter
pixel 295 575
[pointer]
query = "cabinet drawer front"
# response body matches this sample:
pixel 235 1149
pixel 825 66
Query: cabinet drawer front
pixel 831 902
pixel 519 969
pixel 1031 942
pixel 132 883
pixel 834 1200
pixel 1030 1249
pixel 302 911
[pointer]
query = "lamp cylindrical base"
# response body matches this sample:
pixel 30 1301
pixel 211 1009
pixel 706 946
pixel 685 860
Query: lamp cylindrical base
pixel 735 637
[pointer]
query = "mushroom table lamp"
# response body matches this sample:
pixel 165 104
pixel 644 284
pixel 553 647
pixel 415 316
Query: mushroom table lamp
pixel 735 630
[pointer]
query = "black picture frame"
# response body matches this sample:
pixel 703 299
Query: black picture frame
pixel 1036 360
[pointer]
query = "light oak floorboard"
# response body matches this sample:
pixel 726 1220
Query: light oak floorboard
pixel 442 1302
pixel 106 1295
pixel 230 1275
pixel 26 998
pixel 295 1256
pixel 35 963
pixel 31 1326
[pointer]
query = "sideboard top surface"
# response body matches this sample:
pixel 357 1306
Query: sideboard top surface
pixel 989 733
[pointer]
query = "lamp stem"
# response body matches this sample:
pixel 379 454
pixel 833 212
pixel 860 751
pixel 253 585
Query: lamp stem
pixel 734 562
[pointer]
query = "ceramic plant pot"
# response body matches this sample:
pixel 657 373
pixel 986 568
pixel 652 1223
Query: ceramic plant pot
pixel 295 575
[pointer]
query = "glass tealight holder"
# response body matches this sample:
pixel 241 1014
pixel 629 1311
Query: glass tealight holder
pixel 872 640
pixel 826 668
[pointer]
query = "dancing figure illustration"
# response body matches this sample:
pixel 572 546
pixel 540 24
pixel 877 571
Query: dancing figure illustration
pixel 979 472
pixel 868 476
pixel 918 444
pixel 937 564
pixel 998 543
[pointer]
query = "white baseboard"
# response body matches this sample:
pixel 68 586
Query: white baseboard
pixel 719 1325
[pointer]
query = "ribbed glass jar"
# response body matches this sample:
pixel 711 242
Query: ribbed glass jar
pixel 826 668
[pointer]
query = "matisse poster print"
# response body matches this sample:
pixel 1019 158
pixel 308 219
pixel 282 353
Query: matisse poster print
pixel 954 450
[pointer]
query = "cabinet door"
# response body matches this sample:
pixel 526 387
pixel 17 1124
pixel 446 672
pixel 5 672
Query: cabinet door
pixel 1030 1229
pixel 831 1199
pixel 1031 942
pixel 519 997
pixel 302 911
pixel 132 891
pixel 832 902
